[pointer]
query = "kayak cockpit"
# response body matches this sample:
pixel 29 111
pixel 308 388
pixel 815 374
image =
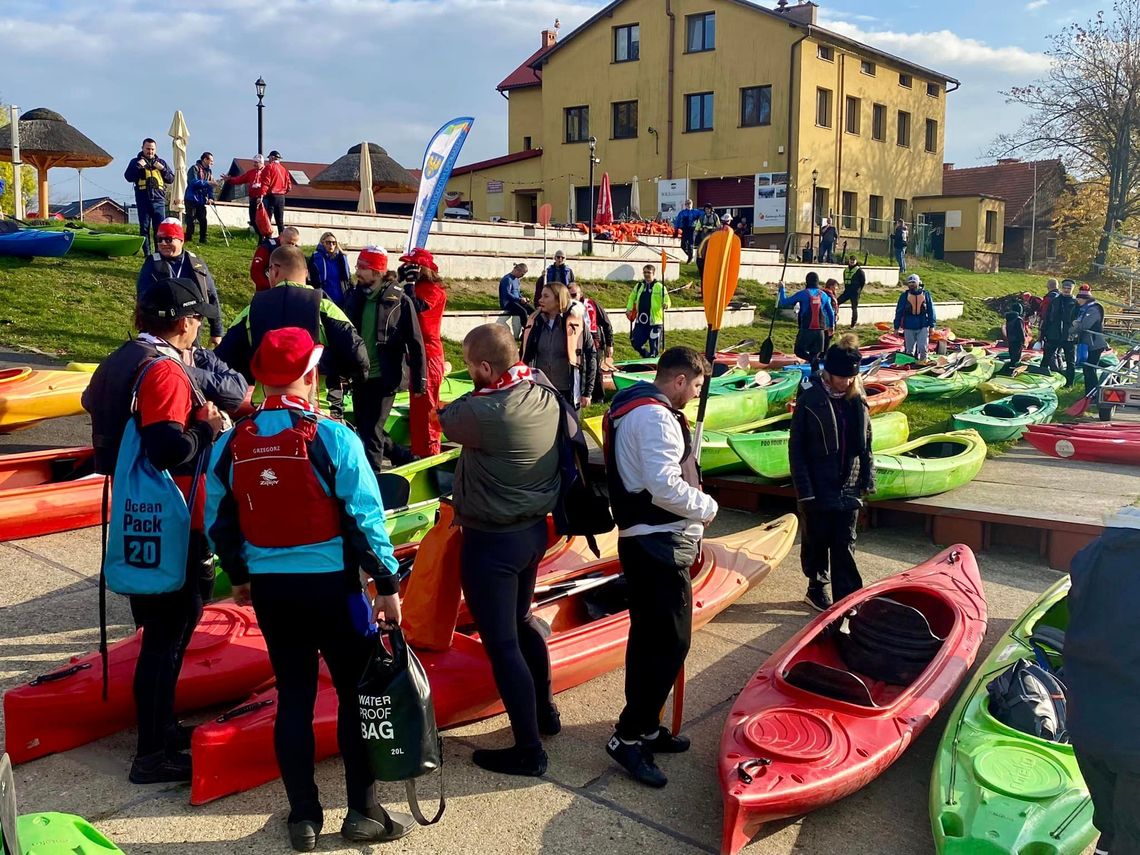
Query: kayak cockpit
pixel 940 450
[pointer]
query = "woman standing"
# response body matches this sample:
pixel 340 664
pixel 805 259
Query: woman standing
pixel 427 292
pixel 832 470
pixel 557 343
pixel 329 271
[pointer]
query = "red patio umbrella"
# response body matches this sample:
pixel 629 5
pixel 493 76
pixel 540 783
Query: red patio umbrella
pixel 604 215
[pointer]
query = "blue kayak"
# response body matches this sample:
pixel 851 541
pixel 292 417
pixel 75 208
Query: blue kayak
pixel 29 243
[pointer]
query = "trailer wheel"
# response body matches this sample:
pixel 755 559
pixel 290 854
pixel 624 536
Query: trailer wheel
pixel 1105 413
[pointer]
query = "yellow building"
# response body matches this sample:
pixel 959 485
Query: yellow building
pixel 965 229
pixel 725 102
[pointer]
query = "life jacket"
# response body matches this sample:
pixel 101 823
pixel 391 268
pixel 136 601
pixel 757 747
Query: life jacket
pixel 591 314
pixel 632 509
pixel 554 273
pixel 849 274
pixel 813 318
pixel 574 327
pixel 192 268
pixel 916 303
pixel 645 305
pixel 281 501
pixel 285 305
pixel 150 177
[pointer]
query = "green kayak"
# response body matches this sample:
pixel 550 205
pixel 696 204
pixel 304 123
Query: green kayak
pixel 718 457
pixel 995 790
pixel 1007 418
pixel 959 383
pixel 766 453
pixel 451 387
pixel 1000 386
pixel 780 389
pixel 636 371
pixel 110 244
pixel 928 465
pixel 61 834
pixel 723 411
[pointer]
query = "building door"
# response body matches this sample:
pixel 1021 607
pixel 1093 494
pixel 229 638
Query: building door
pixel 620 193
pixel 526 207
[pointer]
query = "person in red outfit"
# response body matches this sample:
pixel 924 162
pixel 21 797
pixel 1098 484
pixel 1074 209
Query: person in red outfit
pixel 255 179
pixel 278 182
pixel 431 300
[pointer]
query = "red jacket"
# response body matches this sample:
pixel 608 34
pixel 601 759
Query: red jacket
pixel 259 267
pixel 255 178
pixel 431 300
pixel 277 179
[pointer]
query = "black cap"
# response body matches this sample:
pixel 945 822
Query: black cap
pixel 841 362
pixel 177 298
pixel 275 153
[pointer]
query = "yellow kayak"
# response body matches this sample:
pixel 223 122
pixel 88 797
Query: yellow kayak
pixel 31 395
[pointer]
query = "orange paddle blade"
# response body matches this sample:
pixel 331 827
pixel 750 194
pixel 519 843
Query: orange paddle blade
pixel 722 272
pixel 544 214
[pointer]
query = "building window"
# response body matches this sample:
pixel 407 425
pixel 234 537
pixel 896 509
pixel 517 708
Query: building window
pixel 932 89
pixel 699 111
pixel 900 210
pixel 879 122
pixel 903 138
pixel 867 67
pixel 931 135
pixel 822 201
pixel 851 119
pixel 527 146
pixel 849 209
pixel 875 215
pixel 823 108
pixel 991 226
pixel 905 81
pixel 755 106
pixel 627 43
pixel 625 120
pixel 577 124
pixel 700 32
pixel 826 53
pixel 1050 249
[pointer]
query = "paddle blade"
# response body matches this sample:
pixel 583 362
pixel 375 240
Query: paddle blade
pixel 544 214
pixel 1080 407
pixel 664 263
pixel 767 349
pixel 722 272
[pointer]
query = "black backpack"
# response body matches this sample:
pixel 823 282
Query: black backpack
pixel 583 508
pixel 1029 698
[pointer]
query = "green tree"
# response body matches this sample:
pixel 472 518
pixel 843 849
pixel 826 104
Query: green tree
pixel 27 175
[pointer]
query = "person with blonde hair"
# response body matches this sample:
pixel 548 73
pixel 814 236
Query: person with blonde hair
pixel 329 271
pixel 556 341
pixel 829 447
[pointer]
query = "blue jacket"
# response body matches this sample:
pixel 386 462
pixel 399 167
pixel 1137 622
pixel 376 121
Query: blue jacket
pixel 330 274
pixel 907 318
pixel 363 543
pixel 158 173
pixel 686 219
pixel 802 299
pixel 199 191
pixel 510 291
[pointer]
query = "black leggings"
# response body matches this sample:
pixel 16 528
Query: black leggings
pixel 301 617
pixel 498 574
pixel 371 406
pixel 810 345
pixel 851 297
pixel 827 550
pixel 515 309
pixel 195 214
pixel 275 207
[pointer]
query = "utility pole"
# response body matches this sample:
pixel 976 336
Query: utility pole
pixel 17 165
pixel 1033 225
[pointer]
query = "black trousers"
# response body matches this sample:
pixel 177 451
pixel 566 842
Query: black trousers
pixel 827 549
pixel 657 572
pixel 851 297
pixel 1115 791
pixel 1049 360
pixel 195 214
pixel 498 571
pixel 167 622
pixel 302 619
pixel 372 403
pixel 810 345
pixel 687 244
pixel 1015 349
pixel 1091 378
pixel 517 310
pixel 275 207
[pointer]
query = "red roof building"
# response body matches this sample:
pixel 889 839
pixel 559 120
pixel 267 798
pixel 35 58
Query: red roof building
pixel 525 75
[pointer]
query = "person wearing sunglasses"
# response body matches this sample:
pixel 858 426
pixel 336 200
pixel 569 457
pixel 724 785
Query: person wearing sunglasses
pixel 329 271
pixel 172 261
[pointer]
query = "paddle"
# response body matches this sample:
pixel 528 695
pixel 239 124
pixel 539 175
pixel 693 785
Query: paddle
pixel 967 360
pixel 768 347
pixel 747 342
pixel 874 369
pixel 544 214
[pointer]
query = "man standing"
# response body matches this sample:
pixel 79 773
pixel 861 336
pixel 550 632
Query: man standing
pixel 386 316
pixel 259 266
pixel 708 223
pixel 661 514
pixel 686 221
pixel 828 234
pixel 557 272
pixel 914 318
pixel 829 448
pixel 506 482
pixel 149 174
pixel 294 545
pixel 176 427
pixel 854 281
pixel 898 244
pixel 1059 334
pixel 172 261
pixel 277 183
pixel 1014 332
pixel 601 330
pixel 1052 289
pixel 255 179
pixel 815 318
pixel 511 299
pixel 645 308
pixel 199 194
pixel 430 298
pixel 1091 342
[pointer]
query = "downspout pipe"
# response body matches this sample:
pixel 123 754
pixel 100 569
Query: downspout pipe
pixel 669 95
pixel 792 160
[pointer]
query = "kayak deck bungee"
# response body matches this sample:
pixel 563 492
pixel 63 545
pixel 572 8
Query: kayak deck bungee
pixel 31 395
pixel 588 636
pixel 959 383
pixel 995 790
pixel 1123 447
pixel 1007 418
pixel 928 465
pixel 44 492
pixel 846 695
pixel 766 452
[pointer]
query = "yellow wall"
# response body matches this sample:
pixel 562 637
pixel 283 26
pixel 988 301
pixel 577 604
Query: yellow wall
pixel 524 118
pixel 522 175
pixel 970 236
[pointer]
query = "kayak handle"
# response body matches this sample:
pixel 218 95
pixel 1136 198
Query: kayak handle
pixel 755 763
pixel 248 708
pixel 60 675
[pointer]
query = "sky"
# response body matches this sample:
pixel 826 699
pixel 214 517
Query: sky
pixel 393 71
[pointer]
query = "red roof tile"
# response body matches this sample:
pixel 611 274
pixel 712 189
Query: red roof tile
pixel 525 75
pixel 301 192
pixel 497 161
pixel 1013 181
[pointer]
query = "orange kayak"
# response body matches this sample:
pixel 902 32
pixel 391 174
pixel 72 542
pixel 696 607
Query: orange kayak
pixel 48 491
pixel 884 397
pixel 31 395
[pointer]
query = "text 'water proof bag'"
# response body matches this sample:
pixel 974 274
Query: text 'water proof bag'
pixel 397 718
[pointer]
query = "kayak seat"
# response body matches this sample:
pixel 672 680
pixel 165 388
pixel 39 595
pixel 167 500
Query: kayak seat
pixel 1050 637
pixel 71 468
pixel 889 641
pixel 834 683
pixel 999 411
pixel 394 490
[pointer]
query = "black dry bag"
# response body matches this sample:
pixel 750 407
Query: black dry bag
pixel 397 718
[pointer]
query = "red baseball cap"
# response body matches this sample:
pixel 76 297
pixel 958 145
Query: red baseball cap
pixel 284 356
pixel 373 258
pixel 421 258
pixel 171 227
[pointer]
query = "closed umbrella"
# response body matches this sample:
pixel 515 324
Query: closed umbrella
pixel 179 137
pixel 604 215
pixel 367 202
pixel 635 199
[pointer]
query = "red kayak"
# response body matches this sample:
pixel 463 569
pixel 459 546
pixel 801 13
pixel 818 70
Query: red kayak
pixel 884 397
pixel 752 360
pixel 895 340
pixel 48 491
pixel 1106 447
pixel 1104 430
pixel 845 696
pixel 589 626
pixel 63 709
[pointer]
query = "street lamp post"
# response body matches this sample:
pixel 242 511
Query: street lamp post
pixel 590 233
pixel 811 237
pixel 259 87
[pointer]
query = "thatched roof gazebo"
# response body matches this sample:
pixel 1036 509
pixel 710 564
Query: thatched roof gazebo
pixel 387 175
pixel 47 141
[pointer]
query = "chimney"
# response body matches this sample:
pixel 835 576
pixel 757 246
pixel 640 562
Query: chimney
pixel 549 37
pixel 1005 161
pixel 947 167
pixel 803 12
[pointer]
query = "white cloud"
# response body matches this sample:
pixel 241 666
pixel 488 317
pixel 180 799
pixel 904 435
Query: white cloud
pixel 1034 5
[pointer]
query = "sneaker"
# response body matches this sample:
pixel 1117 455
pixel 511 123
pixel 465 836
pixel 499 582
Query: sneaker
pixel 161 768
pixel 666 743
pixel 636 760
pixel 818 599
pixel 360 828
pixel 549 721
pixel 525 762
pixel 303 835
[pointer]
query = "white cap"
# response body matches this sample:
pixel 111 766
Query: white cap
pixel 725 218
pixel 259 158
pixel 913 279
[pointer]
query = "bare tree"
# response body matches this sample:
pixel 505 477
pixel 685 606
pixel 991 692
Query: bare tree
pixel 1087 111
